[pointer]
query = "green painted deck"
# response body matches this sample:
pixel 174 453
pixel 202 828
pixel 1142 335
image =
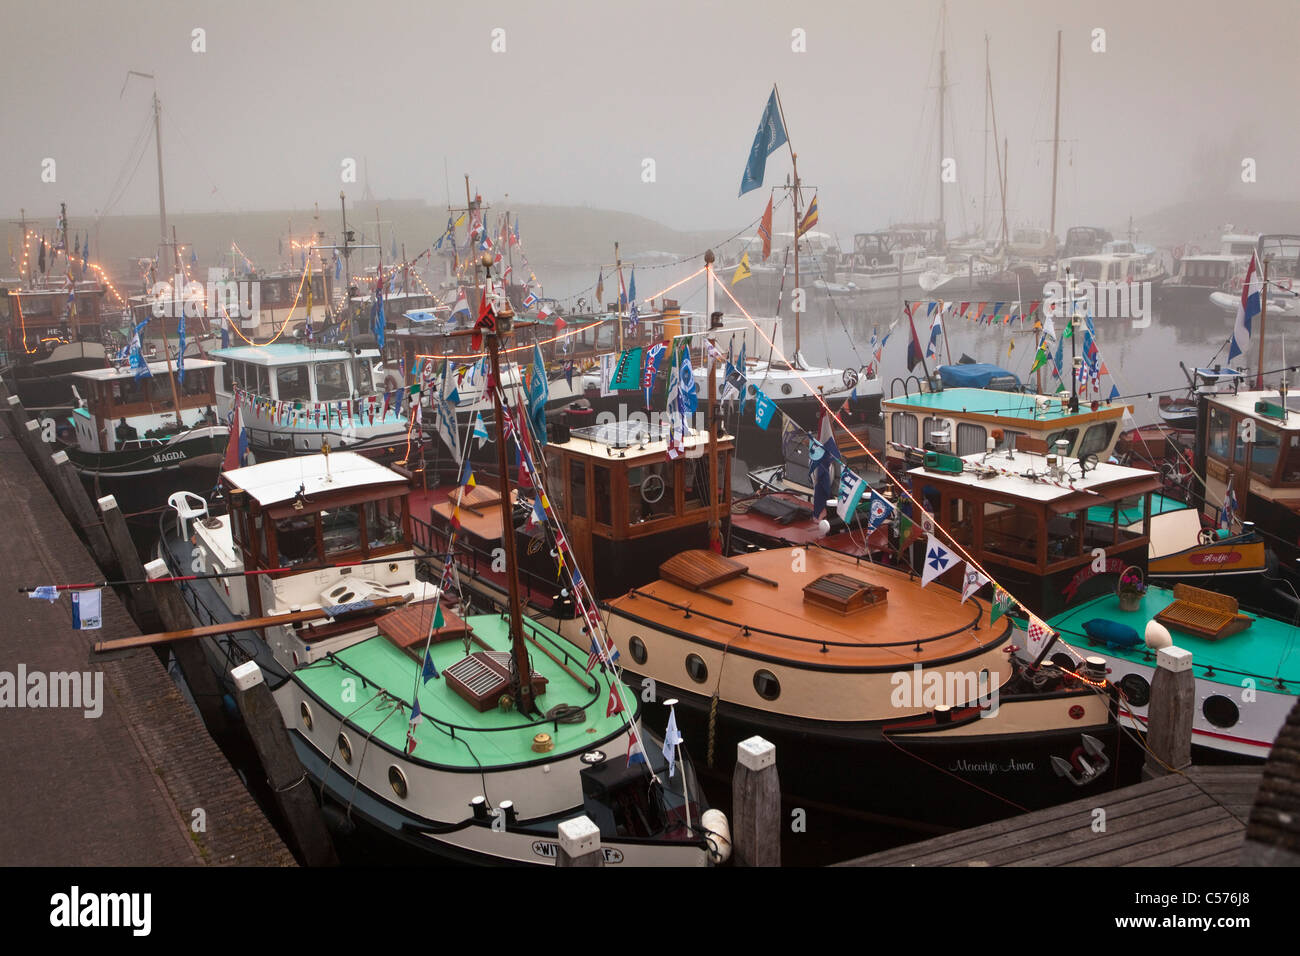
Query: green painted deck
pixel 1011 405
pixel 1132 514
pixel 495 738
pixel 1268 650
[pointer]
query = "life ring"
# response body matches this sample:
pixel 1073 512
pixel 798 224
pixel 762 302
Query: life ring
pixel 1206 536
pixel 875 262
pixel 652 489
pixel 850 377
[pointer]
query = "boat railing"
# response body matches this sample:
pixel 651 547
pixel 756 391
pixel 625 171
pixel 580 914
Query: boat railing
pixel 750 629
pixel 555 717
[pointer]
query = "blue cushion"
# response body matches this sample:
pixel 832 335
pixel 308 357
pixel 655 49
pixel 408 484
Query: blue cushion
pixel 1113 633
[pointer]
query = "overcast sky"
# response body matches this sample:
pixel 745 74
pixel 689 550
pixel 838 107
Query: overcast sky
pixel 586 91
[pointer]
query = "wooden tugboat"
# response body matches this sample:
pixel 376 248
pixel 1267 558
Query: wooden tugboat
pixel 141 439
pixel 492 764
pixel 1059 537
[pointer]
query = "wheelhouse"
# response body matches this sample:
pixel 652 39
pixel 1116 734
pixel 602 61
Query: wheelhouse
pixel 289 373
pixel 962 421
pixel 123 412
pixel 1036 522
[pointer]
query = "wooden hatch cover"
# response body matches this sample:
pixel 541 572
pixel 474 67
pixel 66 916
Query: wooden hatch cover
pixel 1203 612
pixel 843 593
pixel 483 678
pixel 699 569
pixel 408 627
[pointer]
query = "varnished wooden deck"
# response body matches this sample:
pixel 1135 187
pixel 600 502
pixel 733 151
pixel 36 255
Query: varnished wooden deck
pixel 1194 819
pixel 879 637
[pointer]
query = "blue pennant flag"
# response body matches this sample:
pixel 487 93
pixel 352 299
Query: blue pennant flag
pixel 138 364
pixel 764 407
pixel 538 392
pixel 180 352
pixel 338 267
pixel 769 138
pixel 429 672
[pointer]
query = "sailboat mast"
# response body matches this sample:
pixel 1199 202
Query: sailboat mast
pixel 521 672
pixel 943 80
pixel 347 264
pixel 1056 134
pixel 157 138
pixel 984 195
pixel 180 275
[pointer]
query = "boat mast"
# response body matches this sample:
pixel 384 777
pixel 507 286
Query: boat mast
pixel 715 531
pixel 167 354
pixel 157 138
pixel 984 195
pixel 943 79
pixel 521 671
pixel 1056 134
pixel 347 265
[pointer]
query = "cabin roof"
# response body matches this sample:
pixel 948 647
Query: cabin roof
pixel 287 353
pixel 1017 484
pixel 1244 404
pixel 696 445
pixel 273 482
pixel 1011 405
pixel 155 368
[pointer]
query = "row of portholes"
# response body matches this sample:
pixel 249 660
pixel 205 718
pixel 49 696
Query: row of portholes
pixel 1218 710
pixel 396 779
pixel 766 684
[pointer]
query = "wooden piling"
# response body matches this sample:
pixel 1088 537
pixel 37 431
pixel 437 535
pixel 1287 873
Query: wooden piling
pixel 139 597
pixel 284 771
pixel 580 843
pixel 72 497
pixel 199 677
pixel 1169 715
pixel 756 804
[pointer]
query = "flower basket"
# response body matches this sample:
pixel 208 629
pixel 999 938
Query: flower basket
pixel 1130 589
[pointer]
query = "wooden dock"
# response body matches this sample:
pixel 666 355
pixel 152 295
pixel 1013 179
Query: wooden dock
pixel 142 783
pixel 1196 818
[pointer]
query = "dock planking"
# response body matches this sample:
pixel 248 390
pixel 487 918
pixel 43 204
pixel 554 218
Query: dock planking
pixel 121 789
pixel 1197 818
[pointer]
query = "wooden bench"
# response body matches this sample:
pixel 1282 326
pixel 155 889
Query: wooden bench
pixel 1207 613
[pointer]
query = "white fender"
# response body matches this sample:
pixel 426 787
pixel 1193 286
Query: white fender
pixel 719 835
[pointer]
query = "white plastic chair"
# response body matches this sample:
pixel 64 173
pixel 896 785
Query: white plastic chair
pixel 187 505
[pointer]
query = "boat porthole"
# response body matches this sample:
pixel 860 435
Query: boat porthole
pixel 768 687
pixel 636 647
pixel 696 668
pixel 1136 690
pixel 397 780
pixel 1220 711
pixel 305 711
pixel 787 388
pixel 345 748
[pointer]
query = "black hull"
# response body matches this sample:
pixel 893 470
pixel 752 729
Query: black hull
pixel 902 779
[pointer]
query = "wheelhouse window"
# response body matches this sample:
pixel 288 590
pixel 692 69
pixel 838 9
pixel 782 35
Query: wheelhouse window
pixel 1220 433
pixel 1291 467
pixel 651 492
pixel 331 382
pixel 1064 536
pixel 578 488
pixel 341 530
pixel 961 521
pixel 384 524
pixel 1010 531
pixel 603 493
pixel 1069 434
pixel 695 484
pixel 293 383
pixel 971 439
pixel 1096 439
pixel 295 539
pixel 902 427
pixel 1265 451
